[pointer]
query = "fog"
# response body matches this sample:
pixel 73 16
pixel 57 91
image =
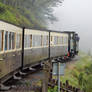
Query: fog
pixel 75 15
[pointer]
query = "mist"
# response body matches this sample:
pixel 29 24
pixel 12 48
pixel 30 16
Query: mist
pixel 75 15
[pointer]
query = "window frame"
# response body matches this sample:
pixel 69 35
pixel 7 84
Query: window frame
pixel 56 40
pixel 20 41
pixel 42 40
pixel 6 46
pixel 2 40
pixel 13 47
pixel 47 40
pixel 31 40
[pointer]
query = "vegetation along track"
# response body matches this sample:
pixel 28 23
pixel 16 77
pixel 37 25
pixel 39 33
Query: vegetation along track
pixel 79 74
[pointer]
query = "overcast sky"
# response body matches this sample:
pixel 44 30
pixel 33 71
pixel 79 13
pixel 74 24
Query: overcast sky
pixel 76 15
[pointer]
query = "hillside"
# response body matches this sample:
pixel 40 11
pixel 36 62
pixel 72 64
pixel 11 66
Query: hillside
pixel 12 15
pixel 29 13
pixel 79 73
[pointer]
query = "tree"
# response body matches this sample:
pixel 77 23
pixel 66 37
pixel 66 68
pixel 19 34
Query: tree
pixel 39 11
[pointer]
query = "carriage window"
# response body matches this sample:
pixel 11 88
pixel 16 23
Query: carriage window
pixel 11 41
pixel 1 40
pixel 55 40
pixel 33 41
pixel 30 40
pixel 42 40
pixel 36 40
pixel 6 40
pixel 27 41
pixel 60 40
pixel 18 41
pixel 51 38
pixel 45 40
pixel 65 40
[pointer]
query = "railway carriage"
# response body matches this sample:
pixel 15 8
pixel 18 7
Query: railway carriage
pixel 59 44
pixel 10 48
pixel 36 46
pixel 22 47
pixel 36 43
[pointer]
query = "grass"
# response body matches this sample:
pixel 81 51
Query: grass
pixel 79 73
pixel 73 70
pixel 25 18
pixel 12 15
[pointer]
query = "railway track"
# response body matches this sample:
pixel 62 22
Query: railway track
pixel 31 82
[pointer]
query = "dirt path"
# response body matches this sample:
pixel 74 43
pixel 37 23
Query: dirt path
pixel 70 65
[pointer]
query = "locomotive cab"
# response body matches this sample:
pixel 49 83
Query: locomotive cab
pixel 72 52
pixel 77 44
pixel 71 43
pixel 74 44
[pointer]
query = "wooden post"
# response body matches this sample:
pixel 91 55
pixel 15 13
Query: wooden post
pixel 45 79
pixel 67 84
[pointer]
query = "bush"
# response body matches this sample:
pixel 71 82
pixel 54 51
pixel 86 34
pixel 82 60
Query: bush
pixel 52 89
pixel 2 8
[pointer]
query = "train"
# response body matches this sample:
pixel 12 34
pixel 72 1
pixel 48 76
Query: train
pixel 22 47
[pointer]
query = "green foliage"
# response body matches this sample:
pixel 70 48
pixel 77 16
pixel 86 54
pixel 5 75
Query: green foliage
pixel 88 83
pixel 11 15
pixel 38 12
pixel 88 69
pixel 75 73
pixel 52 89
pixel 79 73
pixel 82 81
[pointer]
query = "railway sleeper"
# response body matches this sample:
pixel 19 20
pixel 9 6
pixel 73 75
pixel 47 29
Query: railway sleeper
pixel 22 73
pixel 4 88
pixel 27 71
pixel 16 77
pixel 32 69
